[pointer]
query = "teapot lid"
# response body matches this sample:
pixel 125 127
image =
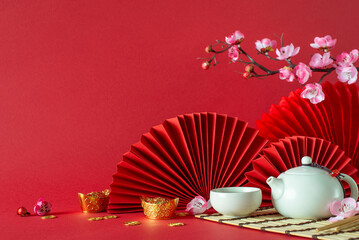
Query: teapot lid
pixel 307 168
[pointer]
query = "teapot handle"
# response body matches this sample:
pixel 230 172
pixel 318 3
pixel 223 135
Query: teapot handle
pixel 352 184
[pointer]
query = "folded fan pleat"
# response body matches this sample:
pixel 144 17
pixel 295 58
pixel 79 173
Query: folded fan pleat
pixel 336 119
pixel 184 157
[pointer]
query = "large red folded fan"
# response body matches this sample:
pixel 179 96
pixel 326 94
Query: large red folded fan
pixel 288 152
pixel 336 119
pixel 184 157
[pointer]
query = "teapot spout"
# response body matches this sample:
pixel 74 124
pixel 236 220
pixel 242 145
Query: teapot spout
pixel 276 186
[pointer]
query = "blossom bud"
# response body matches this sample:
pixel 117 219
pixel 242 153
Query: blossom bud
pixel 205 65
pixel 247 75
pixel 208 49
pixel 249 68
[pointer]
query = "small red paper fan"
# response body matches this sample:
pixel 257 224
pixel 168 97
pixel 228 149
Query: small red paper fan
pixel 336 119
pixel 288 152
pixel 184 157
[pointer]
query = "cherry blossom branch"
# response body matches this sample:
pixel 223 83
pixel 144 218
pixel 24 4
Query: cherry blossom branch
pixel 324 75
pixel 269 72
pixel 324 63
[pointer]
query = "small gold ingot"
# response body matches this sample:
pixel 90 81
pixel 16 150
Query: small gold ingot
pixel 48 217
pixel 176 224
pixel 94 201
pixel 110 217
pixel 159 207
pixel 132 223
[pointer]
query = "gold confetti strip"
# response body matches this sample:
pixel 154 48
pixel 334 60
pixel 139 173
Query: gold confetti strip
pixel 176 224
pixel 48 217
pixel 182 214
pixel 95 218
pixel 132 223
pixel 110 217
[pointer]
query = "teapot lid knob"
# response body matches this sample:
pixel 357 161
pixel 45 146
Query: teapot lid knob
pixel 306 161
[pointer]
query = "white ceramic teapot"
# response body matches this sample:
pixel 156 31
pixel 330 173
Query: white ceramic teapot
pixel 307 191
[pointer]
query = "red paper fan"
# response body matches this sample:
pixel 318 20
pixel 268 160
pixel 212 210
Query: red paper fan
pixel 336 119
pixel 287 153
pixel 184 157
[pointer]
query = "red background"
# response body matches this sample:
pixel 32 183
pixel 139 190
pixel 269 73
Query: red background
pixel 82 80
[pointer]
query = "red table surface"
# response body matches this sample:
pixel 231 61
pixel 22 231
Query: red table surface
pixel 75 225
pixel 82 80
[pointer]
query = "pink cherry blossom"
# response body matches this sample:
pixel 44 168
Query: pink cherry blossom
pixel 347 73
pixel 313 92
pixel 324 43
pixel 265 45
pixel 345 59
pixel 287 52
pixel 198 205
pixel 303 72
pixel 233 53
pixel 319 61
pixel 236 38
pixel 348 207
pixel 42 207
pixel 286 73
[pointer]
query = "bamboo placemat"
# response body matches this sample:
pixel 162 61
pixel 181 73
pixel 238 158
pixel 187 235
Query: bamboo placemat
pixel 268 219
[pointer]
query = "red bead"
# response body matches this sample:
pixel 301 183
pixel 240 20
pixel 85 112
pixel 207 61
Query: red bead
pixel 205 65
pixel 335 173
pixel 22 212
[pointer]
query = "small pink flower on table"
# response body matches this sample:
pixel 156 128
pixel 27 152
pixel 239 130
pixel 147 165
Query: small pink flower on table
pixel 236 38
pixel 303 72
pixel 265 45
pixel 42 207
pixel 347 59
pixel 198 205
pixel 286 73
pixel 287 52
pixel 313 92
pixel 324 43
pixel 347 74
pixel 319 61
pixel 233 53
pixel 348 207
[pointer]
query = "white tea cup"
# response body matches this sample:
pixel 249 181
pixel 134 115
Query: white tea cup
pixel 236 201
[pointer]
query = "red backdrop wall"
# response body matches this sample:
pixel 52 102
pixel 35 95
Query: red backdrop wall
pixel 80 81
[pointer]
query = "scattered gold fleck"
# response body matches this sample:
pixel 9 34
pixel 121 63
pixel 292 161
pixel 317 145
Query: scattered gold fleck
pixel 48 217
pixel 110 217
pixel 132 223
pixel 175 224
pixel 95 218
pixel 182 214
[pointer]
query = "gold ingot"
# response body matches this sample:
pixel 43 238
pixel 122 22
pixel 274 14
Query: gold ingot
pixel 159 207
pixel 132 223
pixel 176 224
pixel 94 202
